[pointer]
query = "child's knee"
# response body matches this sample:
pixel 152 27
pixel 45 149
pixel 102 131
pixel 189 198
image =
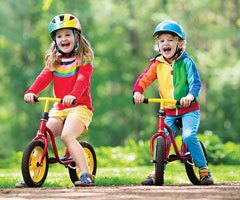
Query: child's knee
pixel 188 137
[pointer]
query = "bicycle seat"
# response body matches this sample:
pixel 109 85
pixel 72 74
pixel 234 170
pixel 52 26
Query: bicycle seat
pixel 178 123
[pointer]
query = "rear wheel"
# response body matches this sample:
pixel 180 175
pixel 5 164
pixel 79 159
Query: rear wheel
pixel 192 170
pixel 160 160
pixel 33 173
pixel 75 172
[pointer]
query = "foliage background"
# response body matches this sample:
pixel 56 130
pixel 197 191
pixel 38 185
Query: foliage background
pixel 120 32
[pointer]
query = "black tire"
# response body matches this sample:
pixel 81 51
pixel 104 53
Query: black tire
pixel 74 172
pixel 192 170
pixel 33 174
pixel 160 160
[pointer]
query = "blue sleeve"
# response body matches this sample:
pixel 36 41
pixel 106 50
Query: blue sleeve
pixel 193 78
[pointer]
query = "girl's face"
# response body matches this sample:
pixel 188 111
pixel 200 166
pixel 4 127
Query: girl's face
pixel 65 40
pixel 168 44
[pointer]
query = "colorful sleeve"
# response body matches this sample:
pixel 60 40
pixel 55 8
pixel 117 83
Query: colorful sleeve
pixel 83 80
pixel 194 81
pixel 41 82
pixel 146 78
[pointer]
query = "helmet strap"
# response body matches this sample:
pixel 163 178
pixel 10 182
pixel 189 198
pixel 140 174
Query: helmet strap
pixel 75 39
pixel 176 52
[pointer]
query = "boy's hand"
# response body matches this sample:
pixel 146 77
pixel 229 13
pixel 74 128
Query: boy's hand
pixel 138 97
pixel 29 97
pixel 68 100
pixel 186 101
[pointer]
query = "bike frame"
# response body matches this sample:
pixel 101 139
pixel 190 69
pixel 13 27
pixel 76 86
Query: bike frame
pixel 180 155
pixel 43 133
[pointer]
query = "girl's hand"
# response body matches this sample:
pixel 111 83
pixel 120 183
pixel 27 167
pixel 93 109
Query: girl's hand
pixel 68 100
pixel 29 97
pixel 186 101
pixel 138 97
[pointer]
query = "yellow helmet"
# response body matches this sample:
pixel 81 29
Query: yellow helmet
pixel 64 21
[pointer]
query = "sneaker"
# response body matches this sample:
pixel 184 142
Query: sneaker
pixel 148 181
pixel 85 180
pixel 21 185
pixel 205 177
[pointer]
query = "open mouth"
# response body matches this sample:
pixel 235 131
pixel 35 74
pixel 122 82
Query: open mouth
pixel 66 45
pixel 167 49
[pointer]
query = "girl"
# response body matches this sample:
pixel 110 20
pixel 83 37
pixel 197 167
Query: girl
pixel 68 63
pixel 177 79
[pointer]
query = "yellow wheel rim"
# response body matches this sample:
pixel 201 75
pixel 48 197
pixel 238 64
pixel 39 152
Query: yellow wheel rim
pixel 196 171
pixel 36 171
pixel 90 161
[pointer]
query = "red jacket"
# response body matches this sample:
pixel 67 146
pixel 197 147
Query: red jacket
pixel 68 79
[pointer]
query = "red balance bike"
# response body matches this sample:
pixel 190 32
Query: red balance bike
pixel 163 143
pixel 35 160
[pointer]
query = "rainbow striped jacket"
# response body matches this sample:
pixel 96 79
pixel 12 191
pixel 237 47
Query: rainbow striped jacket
pixel 69 78
pixel 175 80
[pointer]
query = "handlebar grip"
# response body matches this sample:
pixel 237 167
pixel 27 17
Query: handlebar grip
pixel 145 100
pixel 178 102
pixel 35 98
pixel 73 102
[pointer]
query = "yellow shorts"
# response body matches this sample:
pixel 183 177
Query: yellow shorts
pixel 80 112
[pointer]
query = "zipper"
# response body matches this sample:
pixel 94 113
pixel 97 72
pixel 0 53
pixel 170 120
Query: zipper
pixel 172 80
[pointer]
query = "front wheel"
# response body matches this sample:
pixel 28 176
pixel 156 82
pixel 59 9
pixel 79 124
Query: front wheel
pixel 75 172
pixel 160 160
pixel 192 170
pixel 34 173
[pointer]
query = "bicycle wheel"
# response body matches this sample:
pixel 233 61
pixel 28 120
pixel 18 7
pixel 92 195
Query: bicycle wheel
pixel 33 173
pixel 159 160
pixel 192 170
pixel 75 172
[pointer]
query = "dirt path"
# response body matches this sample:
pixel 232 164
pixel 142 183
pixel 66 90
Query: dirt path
pixel 218 191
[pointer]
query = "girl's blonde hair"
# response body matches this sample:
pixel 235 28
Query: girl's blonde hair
pixel 84 53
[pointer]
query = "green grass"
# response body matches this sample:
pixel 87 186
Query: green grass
pixel 174 174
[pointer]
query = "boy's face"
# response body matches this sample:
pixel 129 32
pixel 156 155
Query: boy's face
pixel 65 40
pixel 168 44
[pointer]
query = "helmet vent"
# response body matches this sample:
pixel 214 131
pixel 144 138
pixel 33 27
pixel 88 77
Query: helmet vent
pixel 61 18
pixel 64 21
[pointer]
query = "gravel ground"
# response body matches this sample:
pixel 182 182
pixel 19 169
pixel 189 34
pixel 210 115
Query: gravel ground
pixel 217 191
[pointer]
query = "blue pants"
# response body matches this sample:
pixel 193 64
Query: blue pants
pixel 190 123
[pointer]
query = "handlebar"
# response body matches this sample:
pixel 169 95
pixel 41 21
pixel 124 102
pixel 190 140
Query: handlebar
pixel 47 101
pixel 159 100
pixel 50 99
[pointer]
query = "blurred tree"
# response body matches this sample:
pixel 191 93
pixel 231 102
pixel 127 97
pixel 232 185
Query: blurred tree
pixel 120 32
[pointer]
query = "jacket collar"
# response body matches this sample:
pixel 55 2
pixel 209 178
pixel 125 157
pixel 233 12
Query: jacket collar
pixel 182 56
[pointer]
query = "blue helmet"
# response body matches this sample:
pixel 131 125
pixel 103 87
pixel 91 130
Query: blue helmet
pixel 171 27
